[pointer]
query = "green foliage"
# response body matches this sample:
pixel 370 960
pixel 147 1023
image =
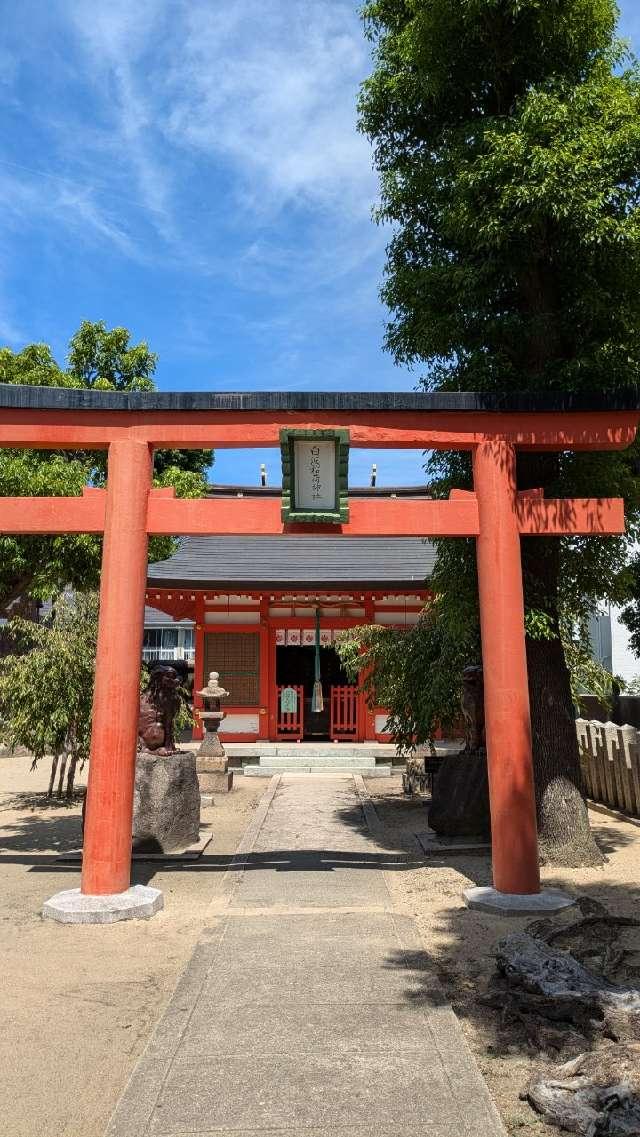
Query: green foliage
pixel 415 672
pixel 105 360
pixel 507 138
pixel 509 153
pixel 102 360
pixel 588 676
pixel 46 690
pixel 630 614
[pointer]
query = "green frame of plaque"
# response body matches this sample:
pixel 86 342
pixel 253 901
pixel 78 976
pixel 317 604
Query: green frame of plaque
pixel 340 512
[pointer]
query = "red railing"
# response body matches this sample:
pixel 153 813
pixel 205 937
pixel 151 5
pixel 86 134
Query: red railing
pixel 344 712
pixel 290 724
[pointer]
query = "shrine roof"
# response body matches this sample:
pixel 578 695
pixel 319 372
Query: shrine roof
pixel 296 561
pixel 73 399
pixel 154 618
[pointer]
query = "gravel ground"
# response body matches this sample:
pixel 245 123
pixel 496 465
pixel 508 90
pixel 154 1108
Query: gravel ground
pixel 79 1002
pixel 461 942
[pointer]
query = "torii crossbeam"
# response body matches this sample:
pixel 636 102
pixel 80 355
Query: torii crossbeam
pixel 131 426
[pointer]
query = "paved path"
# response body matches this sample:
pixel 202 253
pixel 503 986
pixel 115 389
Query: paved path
pixel 308 1007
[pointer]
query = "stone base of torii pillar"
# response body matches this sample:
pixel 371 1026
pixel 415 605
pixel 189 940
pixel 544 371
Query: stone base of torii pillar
pixel 75 907
pixel 487 899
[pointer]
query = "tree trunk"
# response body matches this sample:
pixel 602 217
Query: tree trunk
pixel 63 767
pixel 563 823
pixel 54 767
pixel 71 775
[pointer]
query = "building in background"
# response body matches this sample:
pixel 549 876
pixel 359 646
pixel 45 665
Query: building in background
pixel 610 644
pixel 249 607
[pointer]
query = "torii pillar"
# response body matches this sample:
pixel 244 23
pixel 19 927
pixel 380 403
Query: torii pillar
pixel 516 873
pixel 106 862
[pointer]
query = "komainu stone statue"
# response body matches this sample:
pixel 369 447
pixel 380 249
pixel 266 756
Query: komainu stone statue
pixel 166 801
pixel 472 703
pixel 159 706
pixel 460 799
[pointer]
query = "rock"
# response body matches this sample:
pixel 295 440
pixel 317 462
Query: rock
pixel 460 798
pixel 550 982
pixel 594 1094
pixel 166 802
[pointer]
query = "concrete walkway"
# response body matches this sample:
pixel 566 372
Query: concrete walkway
pixel 309 1006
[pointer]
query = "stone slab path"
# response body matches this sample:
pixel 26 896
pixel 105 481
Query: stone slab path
pixel 309 1006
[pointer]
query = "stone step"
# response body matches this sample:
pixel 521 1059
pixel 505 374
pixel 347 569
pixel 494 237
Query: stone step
pixel 311 755
pixel 307 749
pixel 352 762
pixel 380 771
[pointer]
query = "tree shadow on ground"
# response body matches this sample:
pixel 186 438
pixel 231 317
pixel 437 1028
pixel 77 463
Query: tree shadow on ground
pixel 36 834
pixel 609 841
pixel 40 800
pixel 466 977
pixel 460 951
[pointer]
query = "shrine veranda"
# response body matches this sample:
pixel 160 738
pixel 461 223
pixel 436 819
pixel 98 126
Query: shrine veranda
pixel 131 425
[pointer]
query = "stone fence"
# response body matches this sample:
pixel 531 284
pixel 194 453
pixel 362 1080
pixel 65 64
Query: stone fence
pixel 610 759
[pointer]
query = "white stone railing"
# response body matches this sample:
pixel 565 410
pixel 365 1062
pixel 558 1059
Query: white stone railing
pixel 610 760
pixel 149 654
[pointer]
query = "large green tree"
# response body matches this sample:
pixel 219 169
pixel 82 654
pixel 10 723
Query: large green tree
pixel 101 359
pixel 507 138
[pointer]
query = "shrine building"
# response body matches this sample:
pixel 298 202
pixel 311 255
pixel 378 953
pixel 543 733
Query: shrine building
pixel 251 607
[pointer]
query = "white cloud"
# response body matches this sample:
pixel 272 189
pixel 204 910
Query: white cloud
pixel 32 196
pixel 115 42
pixel 272 87
pixel 266 87
pixel 218 138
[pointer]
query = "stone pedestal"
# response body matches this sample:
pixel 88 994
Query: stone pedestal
pixel 211 746
pixel 166 802
pixel 214 775
pixel 460 796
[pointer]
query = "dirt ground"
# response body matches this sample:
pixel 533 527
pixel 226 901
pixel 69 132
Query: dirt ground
pixel 78 1003
pixel 461 942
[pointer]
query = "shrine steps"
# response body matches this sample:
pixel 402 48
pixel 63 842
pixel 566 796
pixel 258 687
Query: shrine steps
pixel 265 768
pixel 265 759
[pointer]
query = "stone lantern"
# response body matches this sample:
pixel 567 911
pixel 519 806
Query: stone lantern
pixel 212 765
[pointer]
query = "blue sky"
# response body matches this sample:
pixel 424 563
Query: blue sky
pixel 191 169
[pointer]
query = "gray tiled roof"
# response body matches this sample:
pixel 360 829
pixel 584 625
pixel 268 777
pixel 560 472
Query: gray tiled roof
pixel 296 561
pixel 154 618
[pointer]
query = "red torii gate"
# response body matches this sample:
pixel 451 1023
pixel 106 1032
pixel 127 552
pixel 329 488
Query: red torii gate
pixel 131 426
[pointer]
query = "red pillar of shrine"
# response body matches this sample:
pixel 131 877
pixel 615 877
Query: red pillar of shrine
pixel 506 692
pixel 106 864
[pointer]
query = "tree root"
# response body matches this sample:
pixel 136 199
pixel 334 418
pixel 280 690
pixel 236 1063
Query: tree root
pixel 595 1094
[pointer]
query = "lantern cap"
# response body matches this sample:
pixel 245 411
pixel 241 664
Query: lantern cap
pixel 213 690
